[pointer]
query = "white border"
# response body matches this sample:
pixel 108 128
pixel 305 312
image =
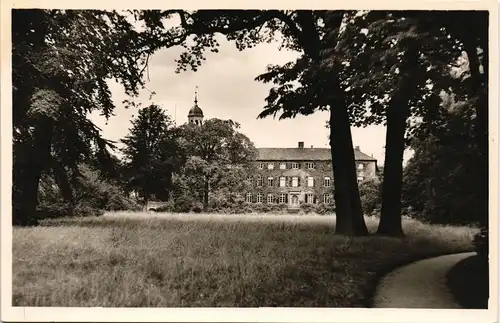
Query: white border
pixel 45 314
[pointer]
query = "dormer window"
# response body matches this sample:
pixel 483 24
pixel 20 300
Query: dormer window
pixel 261 166
pixel 270 166
pixel 295 165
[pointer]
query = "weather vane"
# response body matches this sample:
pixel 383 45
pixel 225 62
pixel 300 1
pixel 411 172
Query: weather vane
pixel 196 94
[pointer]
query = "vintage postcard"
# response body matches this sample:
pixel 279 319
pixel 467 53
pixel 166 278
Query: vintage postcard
pixel 249 162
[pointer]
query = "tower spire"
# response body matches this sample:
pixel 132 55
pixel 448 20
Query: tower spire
pixel 195 115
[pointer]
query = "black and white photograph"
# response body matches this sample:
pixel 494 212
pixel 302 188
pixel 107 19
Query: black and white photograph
pixel 247 158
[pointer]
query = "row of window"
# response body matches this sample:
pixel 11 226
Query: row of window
pixel 283 198
pixel 283 165
pixel 291 182
pixel 293 165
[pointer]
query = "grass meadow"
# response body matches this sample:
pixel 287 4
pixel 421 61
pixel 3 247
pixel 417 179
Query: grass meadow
pixel 164 260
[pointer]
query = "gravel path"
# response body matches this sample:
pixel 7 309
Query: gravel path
pixel 421 284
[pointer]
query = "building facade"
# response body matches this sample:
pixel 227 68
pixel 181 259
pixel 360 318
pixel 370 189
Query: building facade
pixel 299 175
pixel 294 176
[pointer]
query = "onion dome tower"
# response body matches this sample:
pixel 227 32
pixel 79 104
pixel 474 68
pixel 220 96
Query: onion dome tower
pixel 195 115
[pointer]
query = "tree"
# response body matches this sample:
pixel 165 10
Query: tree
pixel 152 153
pixel 215 149
pixel 441 180
pixel 61 61
pixel 397 62
pixel 471 28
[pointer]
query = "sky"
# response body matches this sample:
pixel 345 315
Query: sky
pixel 227 90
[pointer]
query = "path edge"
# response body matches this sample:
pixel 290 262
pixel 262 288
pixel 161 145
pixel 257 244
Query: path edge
pixel 373 283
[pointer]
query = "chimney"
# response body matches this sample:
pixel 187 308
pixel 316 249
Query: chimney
pixel 356 148
pixel 301 144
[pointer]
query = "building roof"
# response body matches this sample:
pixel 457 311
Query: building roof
pixel 304 154
pixel 195 111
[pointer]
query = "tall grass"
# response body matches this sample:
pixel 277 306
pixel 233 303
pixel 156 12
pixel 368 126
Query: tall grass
pixel 165 260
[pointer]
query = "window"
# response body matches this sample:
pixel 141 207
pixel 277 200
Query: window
pixel 310 165
pixel 250 180
pixel 295 181
pixel 295 165
pixel 361 166
pixel 310 198
pixel 259 198
pixel 261 166
pixel 269 198
pixel 282 165
pixel 327 182
pixel 259 180
pixel 282 198
pixel 310 181
pixel 360 179
pixel 249 198
pixel 326 198
pixel 270 166
pixel 282 181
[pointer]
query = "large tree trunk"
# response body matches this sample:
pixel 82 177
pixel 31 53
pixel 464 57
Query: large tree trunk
pixel 397 115
pixel 350 220
pixel 28 165
pixel 390 219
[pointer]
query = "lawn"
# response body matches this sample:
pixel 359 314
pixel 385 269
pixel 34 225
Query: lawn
pixel 161 260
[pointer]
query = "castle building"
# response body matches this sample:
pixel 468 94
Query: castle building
pixel 300 175
pixel 294 176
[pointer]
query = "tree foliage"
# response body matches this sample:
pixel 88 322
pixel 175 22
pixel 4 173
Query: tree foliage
pixel 442 178
pixel 395 66
pixel 61 62
pixel 219 155
pixel 151 154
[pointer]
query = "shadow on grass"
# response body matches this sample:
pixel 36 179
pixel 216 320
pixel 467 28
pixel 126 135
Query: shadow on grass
pixel 468 281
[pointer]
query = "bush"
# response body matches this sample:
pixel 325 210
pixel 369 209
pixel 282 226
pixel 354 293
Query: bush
pixel 118 202
pixel 481 243
pixel 369 193
pixel 308 208
pixel 325 209
pixel 197 208
pixel 96 192
pixel 61 209
pixel 93 194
